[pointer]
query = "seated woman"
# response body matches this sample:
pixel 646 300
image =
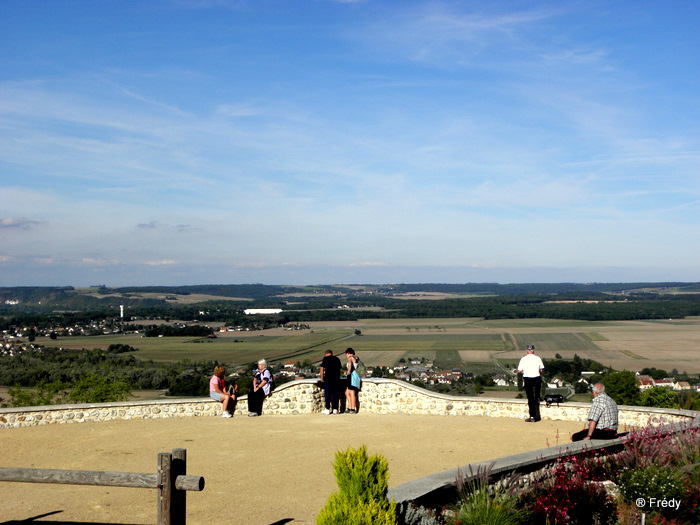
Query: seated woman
pixel 217 391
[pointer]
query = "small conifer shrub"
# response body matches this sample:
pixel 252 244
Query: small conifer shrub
pixel 362 495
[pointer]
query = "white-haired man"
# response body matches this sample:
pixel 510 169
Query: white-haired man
pixel 602 417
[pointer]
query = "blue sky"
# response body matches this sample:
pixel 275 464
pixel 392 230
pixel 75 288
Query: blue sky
pixel 178 142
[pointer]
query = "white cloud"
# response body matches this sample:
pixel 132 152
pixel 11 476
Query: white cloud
pixel 19 223
pixel 90 261
pixel 161 263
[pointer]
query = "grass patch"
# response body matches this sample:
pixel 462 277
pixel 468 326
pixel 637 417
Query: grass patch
pixel 433 336
pixel 478 368
pixel 448 359
pixel 594 336
pixel 631 354
pixel 556 342
pixel 581 398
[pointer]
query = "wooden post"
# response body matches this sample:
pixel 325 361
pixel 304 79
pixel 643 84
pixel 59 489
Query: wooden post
pixel 178 506
pixel 165 488
pixel 170 480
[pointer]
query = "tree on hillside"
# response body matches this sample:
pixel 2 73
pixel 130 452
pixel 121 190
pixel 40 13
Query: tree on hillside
pixel 582 388
pixel 622 387
pixel 45 393
pixel 98 389
pixel 659 396
pixel 654 373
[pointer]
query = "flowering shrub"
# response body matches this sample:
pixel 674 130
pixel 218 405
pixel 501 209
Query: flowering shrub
pixel 662 465
pixel 569 497
pixel 658 446
pixel 652 482
pixel 656 462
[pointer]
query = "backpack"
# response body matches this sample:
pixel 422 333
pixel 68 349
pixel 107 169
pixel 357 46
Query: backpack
pixel 360 367
pixel 258 378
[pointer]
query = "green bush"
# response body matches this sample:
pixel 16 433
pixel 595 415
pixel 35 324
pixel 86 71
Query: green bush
pixel 655 481
pixel 45 393
pixel 489 507
pixel 659 396
pixel 485 503
pixel 98 389
pixel 341 511
pixel 363 487
pixel 91 388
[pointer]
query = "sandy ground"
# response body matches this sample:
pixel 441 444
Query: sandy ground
pixel 266 470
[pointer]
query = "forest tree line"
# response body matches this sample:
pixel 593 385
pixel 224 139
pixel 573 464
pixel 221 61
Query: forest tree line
pixel 231 313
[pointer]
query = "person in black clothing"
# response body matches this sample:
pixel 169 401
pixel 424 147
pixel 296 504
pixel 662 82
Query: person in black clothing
pixel 531 367
pixel 262 386
pixel 330 375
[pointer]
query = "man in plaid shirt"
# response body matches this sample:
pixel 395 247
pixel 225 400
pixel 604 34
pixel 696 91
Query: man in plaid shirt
pixel 602 417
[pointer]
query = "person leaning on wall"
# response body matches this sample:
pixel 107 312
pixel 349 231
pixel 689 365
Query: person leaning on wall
pixel 354 383
pixel 262 385
pixel 330 375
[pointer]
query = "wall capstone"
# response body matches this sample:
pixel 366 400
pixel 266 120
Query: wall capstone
pixel 378 396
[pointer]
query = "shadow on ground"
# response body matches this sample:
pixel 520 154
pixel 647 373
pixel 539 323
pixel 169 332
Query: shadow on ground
pixel 34 519
pixel 44 522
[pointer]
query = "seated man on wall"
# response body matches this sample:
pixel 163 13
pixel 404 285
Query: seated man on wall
pixel 602 417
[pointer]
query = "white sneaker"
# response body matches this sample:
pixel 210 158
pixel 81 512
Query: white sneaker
pixel 335 410
pixel 326 412
pixel 226 414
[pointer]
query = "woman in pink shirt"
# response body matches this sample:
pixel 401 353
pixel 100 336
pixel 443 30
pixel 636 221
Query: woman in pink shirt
pixel 217 391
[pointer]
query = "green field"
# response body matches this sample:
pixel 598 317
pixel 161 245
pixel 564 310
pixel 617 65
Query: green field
pixel 376 350
pixel 230 350
pixel 557 341
pixel 449 343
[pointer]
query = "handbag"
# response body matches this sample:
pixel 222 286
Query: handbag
pixel 355 380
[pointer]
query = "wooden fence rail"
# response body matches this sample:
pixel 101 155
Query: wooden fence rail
pixel 171 481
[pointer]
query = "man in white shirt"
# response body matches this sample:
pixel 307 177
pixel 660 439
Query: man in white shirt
pixel 531 367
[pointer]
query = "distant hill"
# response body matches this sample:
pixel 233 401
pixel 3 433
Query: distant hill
pixel 66 298
pixel 13 299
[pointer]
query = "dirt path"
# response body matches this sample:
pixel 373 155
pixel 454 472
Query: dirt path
pixel 267 470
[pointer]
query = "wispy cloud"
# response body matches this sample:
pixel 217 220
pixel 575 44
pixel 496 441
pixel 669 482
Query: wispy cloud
pixel 19 223
pixel 161 263
pixel 90 261
pixel 449 35
pixel 152 225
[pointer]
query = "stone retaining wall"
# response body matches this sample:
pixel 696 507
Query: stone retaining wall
pixel 381 396
pixel 423 501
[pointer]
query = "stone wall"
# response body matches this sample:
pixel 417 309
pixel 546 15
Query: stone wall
pixel 388 396
pixel 381 396
pixel 417 501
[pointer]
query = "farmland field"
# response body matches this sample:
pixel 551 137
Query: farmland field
pixel 623 345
